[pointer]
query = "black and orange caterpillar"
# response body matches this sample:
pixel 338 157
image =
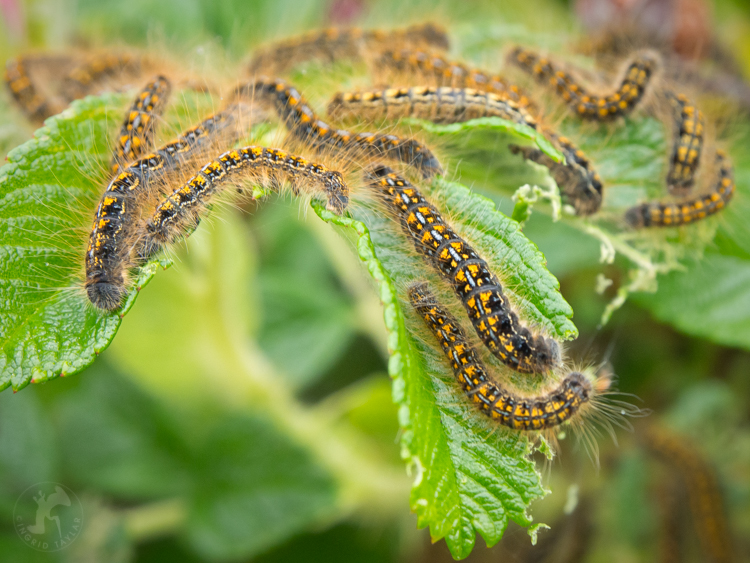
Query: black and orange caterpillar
pixel 476 286
pixel 302 122
pixel 111 240
pixel 437 104
pixel 431 68
pixel 659 214
pixel 621 102
pixel 180 211
pixel 137 131
pixel 509 409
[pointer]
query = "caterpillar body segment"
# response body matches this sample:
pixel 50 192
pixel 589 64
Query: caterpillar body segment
pixel 479 291
pixel 111 240
pixel 441 105
pixel 659 214
pixel 623 101
pixel 137 131
pixel 304 124
pixel 688 135
pixel 434 69
pixel 345 43
pixel 508 409
pixel 579 183
pixel 180 211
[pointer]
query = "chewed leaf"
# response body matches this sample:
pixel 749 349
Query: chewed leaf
pixel 469 478
pixel 48 193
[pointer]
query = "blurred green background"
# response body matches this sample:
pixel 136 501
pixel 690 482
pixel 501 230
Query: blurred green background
pixel 243 411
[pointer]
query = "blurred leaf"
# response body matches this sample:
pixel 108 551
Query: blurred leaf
pixel 304 308
pixel 255 488
pixel 27 447
pixel 468 478
pixel 116 439
pixel 48 192
pixel 710 300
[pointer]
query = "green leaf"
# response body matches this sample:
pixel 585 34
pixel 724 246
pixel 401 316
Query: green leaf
pixel 468 477
pixel 255 489
pixel 48 193
pixel 709 300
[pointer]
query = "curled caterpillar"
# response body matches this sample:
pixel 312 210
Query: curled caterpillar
pixel 579 183
pixel 478 289
pixel 301 120
pixel 337 44
pixel 441 105
pixel 688 211
pixel 688 144
pixel 586 105
pixel 81 80
pixel 137 131
pixel 180 211
pixel 432 68
pixel 25 93
pixel 509 409
pixel 108 256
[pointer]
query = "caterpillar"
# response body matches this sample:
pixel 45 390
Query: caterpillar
pixel 110 240
pixel 579 183
pixel 621 102
pixel 23 90
pixel 688 144
pixel 336 44
pixel 509 409
pixel 137 131
pixel 431 67
pixel 301 120
pixel 180 211
pixel 81 79
pixel 688 211
pixel 477 288
pixel 441 105
pixel 702 491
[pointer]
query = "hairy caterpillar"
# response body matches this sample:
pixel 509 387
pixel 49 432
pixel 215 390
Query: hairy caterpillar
pixel 688 144
pixel 586 105
pixel 137 131
pixel 690 210
pixel 305 125
pixel 110 241
pixel 702 489
pixel 441 105
pixel 478 289
pixel 180 211
pixel 433 68
pixel 579 183
pixel 81 79
pixel 336 44
pixel 507 408
pixel 24 91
